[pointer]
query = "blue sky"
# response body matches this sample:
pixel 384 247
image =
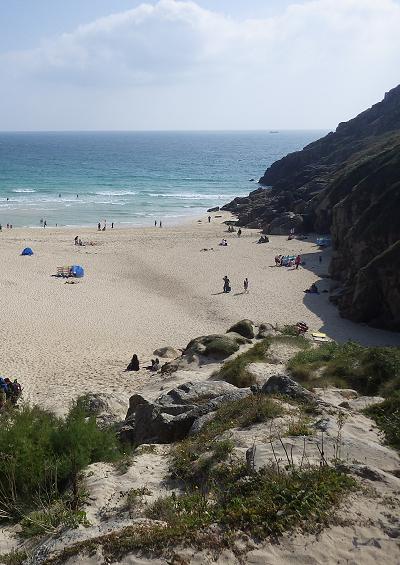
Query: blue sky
pixel 205 64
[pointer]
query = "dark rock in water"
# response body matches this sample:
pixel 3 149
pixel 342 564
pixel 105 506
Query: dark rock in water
pixel 215 209
pixel 346 183
pixel 172 415
pixel 251 180
pixel 244 328
pixel 282 384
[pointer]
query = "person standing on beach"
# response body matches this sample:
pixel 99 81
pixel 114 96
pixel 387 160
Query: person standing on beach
pixel 98 227
pixel 45 223
pixel 209 219
pixel 112 225
pixel 160 224
pixel 246 285
pixel 227 286
pixel 239 232
pixel 297 261
pixel 155 223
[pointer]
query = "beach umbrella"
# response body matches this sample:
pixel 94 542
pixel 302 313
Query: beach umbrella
pixel 27 251
pixel 77 271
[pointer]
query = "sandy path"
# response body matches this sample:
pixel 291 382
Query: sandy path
pixel 143 288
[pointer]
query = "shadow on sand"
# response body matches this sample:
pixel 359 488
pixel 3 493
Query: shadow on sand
pixel 336 327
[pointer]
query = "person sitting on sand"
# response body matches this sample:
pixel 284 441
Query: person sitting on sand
pixel 313 289
pixel 301 327
pixel 76 240
pixel 278 260
pixel 239 233
pixel 155 366
pixel 224 243
pixel 134 364
pixel 17 391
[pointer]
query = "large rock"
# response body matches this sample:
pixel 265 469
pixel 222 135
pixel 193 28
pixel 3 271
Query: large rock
pixel 282 384
pixel 195 393
pixel 284 223
pixel 166 352
pixel 172 415
pixel 216 346
pixel 244 328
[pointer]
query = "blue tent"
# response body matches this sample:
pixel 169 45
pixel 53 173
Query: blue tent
pixel 77 271
pixel 27 251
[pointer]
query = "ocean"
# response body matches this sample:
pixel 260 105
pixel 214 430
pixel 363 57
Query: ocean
pixel 131 178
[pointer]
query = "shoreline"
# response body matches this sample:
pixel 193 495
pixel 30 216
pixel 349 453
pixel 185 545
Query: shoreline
pixel 145 288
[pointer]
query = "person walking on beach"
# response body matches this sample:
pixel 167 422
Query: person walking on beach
pixel 209 219
pixel 155 223
pixel 45 223
pixel 239 232
pixel 246 285
pixel 112 225
pixel 98 227
pixel 160 224
pixel 297 261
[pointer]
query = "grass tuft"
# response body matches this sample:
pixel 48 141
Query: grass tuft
pixel 387 416
pixel 235 371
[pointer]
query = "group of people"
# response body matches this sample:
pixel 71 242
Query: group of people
pixel 135 366
pixel 78 241
pixel 9 226
pixel 287 261
pixel 99 228
pixel 9 391
pixel 160 223
pixel 227 285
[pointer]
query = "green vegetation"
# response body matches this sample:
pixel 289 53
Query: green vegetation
pixel 369 370
pixel 195 456
pixel 42 455
pixel 235 371
pixel 262 504
pixel 15 557
pixel 299 427
pixel 387 416
pixel 51 517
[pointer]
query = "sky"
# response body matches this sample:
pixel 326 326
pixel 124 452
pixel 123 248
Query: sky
pixel 183 65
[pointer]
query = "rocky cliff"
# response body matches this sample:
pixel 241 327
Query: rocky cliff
pixel 347 183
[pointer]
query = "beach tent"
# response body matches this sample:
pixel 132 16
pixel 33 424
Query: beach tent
pixel 27 251
pixel 77 271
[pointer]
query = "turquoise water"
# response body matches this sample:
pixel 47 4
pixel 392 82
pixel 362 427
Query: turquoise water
pixel 131 178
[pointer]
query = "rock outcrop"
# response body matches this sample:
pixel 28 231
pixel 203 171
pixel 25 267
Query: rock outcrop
pixel 347 183
pixel 173 414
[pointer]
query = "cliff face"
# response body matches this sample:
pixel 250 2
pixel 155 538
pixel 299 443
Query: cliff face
pixel 347 183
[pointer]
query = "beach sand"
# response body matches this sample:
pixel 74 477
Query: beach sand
pixel 144 288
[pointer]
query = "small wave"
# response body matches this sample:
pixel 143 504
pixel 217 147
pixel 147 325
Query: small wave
pixel 23 190
pixel 117 193
pixel 191 196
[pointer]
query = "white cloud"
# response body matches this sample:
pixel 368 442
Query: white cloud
pixel 316 63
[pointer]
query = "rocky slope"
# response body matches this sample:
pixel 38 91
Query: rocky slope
pixel 125 504
pixel 346 183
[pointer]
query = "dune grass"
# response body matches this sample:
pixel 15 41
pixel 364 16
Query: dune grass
pixel 387 416
pixel 369 370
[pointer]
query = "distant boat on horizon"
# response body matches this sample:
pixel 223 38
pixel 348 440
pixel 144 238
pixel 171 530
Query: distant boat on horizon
pixel 274 131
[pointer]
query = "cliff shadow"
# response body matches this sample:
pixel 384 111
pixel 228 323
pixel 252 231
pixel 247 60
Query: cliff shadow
pixel 338 328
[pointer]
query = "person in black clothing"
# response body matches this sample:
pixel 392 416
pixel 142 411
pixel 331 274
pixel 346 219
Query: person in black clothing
pixel 134 364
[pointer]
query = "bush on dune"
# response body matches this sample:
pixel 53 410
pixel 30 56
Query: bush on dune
pixel 41 455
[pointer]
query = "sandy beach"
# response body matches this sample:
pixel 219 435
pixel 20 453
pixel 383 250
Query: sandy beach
pixel 144 288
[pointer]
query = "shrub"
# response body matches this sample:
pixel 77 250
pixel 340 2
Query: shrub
pixel 49 519
pixel 42 454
